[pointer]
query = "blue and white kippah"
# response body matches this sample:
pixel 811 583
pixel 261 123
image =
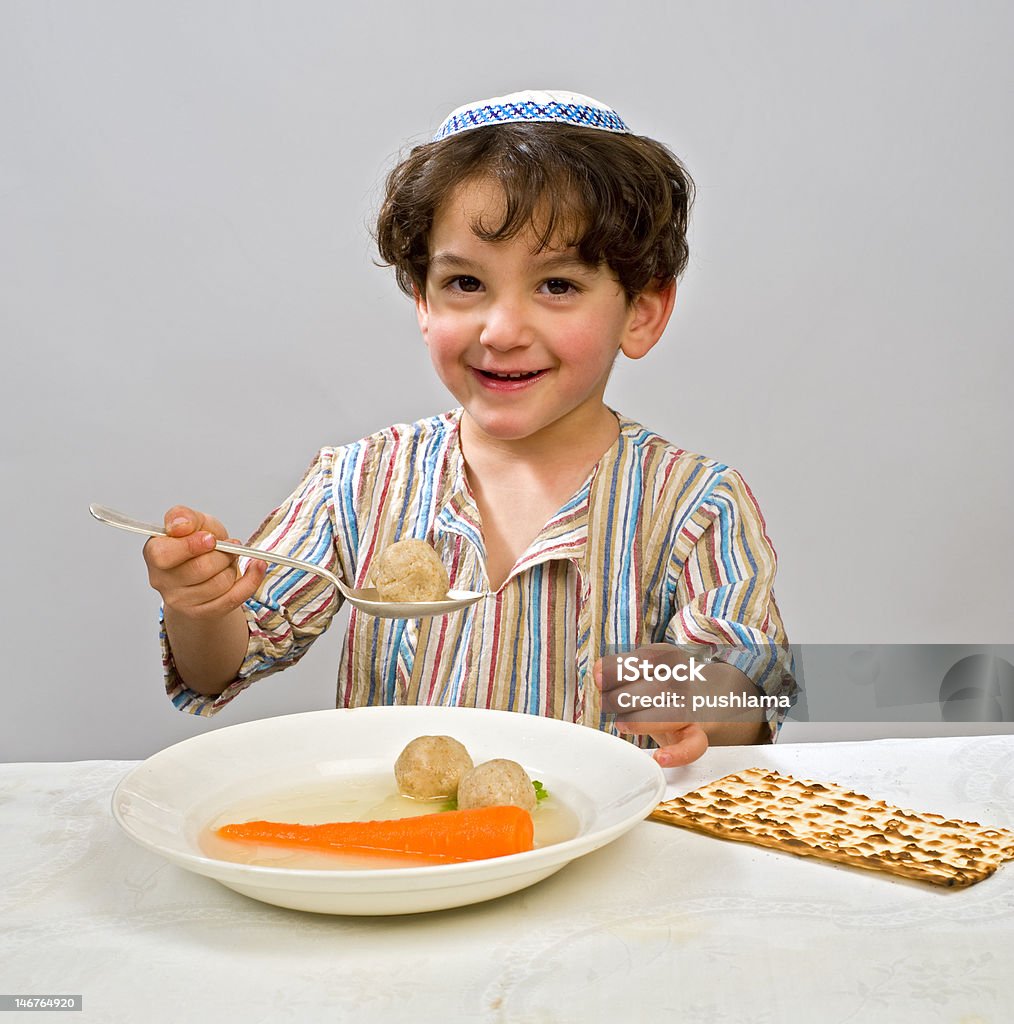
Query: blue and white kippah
pixel 562 107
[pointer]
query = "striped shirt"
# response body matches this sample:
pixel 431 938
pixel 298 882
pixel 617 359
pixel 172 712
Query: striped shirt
pixel 658 545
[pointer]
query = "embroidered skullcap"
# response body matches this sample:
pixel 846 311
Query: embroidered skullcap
pixel 563 107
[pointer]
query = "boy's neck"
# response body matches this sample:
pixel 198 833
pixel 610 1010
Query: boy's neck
pixel 519 484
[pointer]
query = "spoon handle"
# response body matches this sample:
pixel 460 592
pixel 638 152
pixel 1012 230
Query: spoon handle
pixel 111 517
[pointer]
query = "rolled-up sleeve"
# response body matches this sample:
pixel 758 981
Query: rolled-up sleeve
pixel 292 607
pixel 724 594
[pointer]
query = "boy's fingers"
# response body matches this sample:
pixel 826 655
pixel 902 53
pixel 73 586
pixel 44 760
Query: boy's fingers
pixel 678 743
pixel 235 591
pixel 685 748
pixel 191 534
pixel 181 521
pixel 166 553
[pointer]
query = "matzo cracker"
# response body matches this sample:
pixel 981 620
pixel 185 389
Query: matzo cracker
pixel 814 819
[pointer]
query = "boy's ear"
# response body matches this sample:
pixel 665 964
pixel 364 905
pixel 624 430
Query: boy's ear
pixel 422 312
pixel 649 314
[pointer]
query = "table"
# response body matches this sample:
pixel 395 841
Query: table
pixel 664 923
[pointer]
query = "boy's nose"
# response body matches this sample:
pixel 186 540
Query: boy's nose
pixel 505 326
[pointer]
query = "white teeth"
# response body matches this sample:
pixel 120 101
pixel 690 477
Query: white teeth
pixel 515 376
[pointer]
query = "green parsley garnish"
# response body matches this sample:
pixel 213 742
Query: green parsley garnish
pixel 541 793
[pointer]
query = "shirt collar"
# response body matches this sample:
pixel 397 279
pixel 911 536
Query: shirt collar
pixel 565 536
pixel 459 513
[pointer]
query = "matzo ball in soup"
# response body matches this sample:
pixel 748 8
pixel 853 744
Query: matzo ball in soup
pixel 494 783
pixel 430 767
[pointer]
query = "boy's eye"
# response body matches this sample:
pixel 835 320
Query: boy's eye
pixel 558 286
pixel 465 283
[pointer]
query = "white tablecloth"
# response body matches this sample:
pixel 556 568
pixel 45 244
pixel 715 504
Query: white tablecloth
pixel 664 924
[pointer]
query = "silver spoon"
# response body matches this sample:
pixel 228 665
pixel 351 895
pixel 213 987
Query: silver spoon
pixel 365 599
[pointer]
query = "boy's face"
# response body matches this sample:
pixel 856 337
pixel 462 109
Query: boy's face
pixel 525 340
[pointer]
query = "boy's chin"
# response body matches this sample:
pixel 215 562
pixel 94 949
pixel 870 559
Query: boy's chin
pixel 505 428
pixel 515 425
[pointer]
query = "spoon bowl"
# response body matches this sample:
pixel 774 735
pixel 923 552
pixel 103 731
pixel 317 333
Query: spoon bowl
pixel 366 599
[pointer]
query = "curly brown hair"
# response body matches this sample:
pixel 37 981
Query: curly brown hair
pixel 623 200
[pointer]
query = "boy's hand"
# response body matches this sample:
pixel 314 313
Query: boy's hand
pixel 195 580
pixel 678 743
pixel 680 733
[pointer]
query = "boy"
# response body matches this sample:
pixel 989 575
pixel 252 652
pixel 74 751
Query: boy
pixel 539 238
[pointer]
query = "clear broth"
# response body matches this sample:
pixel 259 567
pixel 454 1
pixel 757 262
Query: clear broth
pixel 354 798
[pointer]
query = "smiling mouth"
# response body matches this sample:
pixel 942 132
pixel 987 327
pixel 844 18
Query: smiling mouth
pixel 527 375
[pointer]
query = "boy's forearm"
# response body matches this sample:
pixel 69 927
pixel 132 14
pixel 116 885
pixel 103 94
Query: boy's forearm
pixel 207 653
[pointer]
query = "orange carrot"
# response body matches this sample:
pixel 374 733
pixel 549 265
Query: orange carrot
pixel 448 837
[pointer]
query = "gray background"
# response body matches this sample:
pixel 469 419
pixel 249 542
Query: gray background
pixel 189 307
